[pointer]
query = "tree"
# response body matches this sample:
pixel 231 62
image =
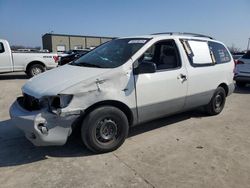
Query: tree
pixel 234 49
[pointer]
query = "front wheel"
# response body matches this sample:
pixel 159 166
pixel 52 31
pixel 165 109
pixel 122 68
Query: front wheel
pixel 104 129
pixel 217 102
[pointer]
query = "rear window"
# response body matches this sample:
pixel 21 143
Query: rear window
pixel 220 53
pixel 1 48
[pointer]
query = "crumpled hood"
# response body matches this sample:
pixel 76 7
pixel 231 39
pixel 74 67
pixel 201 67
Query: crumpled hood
pixel 56 80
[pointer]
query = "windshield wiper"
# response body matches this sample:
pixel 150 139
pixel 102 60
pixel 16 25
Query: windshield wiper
pixel 85 64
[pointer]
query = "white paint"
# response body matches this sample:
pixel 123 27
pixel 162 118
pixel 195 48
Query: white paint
pixel 92 85
pixel 6 64
pixel 10 62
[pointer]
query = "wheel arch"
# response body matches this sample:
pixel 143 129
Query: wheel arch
pixel 123 107
pixel 33 63
pixel 225 87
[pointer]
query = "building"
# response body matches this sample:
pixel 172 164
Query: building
pixel 60 42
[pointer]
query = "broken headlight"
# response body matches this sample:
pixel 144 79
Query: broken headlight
pixel 53 103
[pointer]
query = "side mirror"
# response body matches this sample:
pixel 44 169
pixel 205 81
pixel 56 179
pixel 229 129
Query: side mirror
pixel 145 67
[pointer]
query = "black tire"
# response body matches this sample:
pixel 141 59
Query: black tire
pixel 104 129
pixel 240 84
pixel 34 70
pixel 217 103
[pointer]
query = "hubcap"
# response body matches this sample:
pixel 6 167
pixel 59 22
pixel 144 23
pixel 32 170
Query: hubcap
pixel 106 130
pixel 36 71
pixel 218 101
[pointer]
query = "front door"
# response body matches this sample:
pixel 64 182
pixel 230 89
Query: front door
pixel 163 92
pixel 5 59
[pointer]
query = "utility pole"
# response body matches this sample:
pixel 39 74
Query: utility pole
pixel 248 44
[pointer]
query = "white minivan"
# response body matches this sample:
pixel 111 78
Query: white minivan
pixel 122 83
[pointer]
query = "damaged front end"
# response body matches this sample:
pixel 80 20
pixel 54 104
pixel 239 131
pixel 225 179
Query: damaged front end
pixel 43 120
pixel 54 100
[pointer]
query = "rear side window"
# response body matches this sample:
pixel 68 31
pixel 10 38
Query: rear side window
pixel 220 53
pixel 198 53
pixel 1 48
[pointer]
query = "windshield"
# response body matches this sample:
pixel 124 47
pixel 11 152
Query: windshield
pixel 112 54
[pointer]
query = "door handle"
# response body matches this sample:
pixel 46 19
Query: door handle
pixel 182 77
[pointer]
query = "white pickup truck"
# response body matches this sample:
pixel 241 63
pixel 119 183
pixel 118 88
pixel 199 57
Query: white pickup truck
pixel 31 63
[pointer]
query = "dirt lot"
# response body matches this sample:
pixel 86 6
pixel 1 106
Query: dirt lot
pixel 186 150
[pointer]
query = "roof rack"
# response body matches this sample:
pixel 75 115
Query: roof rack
pixel 184 33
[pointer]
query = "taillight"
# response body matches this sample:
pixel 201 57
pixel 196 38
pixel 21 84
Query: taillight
pixel 235 63
pixel 56 58
pixel 238 62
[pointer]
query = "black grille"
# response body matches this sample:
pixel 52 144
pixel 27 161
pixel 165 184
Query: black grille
pixel 29 103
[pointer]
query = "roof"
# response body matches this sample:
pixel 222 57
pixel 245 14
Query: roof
pixel 184 34
pixel 174 35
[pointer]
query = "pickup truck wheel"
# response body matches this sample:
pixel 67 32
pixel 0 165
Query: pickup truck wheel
pixel 217 102
pixel 104 129
pixel 240 84
pixel 35 69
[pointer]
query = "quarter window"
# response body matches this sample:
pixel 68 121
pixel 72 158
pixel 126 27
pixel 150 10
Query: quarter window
pixel 220 53
pixel 1 48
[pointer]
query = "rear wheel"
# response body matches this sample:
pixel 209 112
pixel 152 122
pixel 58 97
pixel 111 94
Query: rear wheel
pixel 240 84
pixel 104 129
pixel 217 102
pixel 35 69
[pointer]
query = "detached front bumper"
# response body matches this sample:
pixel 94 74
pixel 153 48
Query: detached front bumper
pixel 42 128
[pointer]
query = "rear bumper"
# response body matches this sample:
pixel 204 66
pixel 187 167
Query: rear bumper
pixel 41 127
pixel 240 78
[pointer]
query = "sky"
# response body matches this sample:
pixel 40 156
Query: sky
pixel 23 22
